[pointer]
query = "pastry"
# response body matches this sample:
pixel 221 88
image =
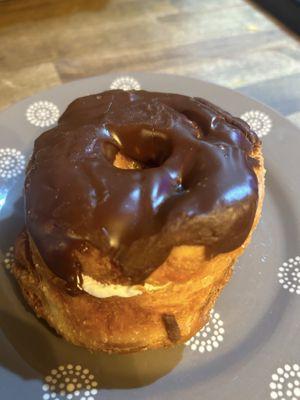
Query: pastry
pixel 137 206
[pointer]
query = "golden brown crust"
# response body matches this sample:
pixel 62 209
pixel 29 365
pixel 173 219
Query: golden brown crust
pixel 136 323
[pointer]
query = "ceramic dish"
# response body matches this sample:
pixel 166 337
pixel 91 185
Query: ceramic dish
pixel 249 350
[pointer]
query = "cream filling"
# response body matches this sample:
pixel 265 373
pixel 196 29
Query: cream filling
pixel 104 290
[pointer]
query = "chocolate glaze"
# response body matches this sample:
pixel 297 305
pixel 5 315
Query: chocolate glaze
pixel 197 185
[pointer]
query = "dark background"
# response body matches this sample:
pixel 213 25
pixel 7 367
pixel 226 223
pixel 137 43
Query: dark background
pixel 286 11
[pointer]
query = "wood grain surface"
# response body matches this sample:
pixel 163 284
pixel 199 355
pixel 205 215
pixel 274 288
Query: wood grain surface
pixel 47 42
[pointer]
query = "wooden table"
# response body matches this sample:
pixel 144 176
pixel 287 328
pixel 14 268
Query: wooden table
pixel 46 42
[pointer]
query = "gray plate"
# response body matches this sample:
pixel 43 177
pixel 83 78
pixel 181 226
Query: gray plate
pixel 249 350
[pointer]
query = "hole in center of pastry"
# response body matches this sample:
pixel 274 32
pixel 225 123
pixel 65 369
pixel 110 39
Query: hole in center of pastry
pixel 141 149
pixel 123 162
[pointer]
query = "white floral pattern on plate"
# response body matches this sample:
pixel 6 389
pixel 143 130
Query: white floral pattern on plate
pixel 12 163
pixel 70 382
pixel 258 121
pixel 9 258
pixel 285 383
pixel 289 275
pixel 210 336
pixel 125 83
pixel 42 113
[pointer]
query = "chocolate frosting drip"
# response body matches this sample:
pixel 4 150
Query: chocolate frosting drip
pixel 171 326
pixel 196 186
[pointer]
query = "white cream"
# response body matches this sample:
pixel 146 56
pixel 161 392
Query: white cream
pixel 104 290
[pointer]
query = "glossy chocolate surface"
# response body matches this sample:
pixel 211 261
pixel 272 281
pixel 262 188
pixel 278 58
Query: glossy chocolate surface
pixel 196 185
